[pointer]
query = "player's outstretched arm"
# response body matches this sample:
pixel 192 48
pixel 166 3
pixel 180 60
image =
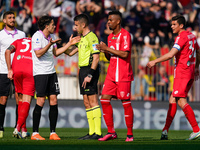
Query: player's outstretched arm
pixel 43 50
pixel 69 48
pixel 165 57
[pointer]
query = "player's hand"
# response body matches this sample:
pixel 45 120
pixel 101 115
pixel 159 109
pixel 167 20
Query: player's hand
pixel 10 74
pixel 196 74
pixel 74 40
pixel 55 41
pixel 102 47
pixel 86 80
pixel 151 64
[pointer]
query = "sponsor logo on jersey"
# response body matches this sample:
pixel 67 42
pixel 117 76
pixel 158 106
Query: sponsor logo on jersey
pixel 176 92
pixel 94 47
pixel 26 57
pixel 128 94
pixel 37 41
pixel 19 57
pixel 114 38
pixel 122 93
pixel 125 46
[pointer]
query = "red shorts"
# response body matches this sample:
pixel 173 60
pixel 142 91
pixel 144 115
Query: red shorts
pixel 24 83
pixel 181 87
pixel 121 90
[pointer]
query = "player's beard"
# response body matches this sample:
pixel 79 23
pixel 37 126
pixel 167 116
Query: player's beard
pixel 111 28
pixel 11 26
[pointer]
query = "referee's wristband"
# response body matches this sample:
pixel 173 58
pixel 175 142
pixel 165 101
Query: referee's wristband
pixel 91 71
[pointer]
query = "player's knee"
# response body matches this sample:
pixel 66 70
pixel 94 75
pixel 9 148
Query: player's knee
pixel 87 105
pixel 3 100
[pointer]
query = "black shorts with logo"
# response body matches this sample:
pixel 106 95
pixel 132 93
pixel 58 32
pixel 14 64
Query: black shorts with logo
pixel 46 85
pixel 5 84
pixel 91 88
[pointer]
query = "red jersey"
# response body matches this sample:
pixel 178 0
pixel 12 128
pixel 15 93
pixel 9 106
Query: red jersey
pixel 120 69
pixel 22 60
pixel 187 45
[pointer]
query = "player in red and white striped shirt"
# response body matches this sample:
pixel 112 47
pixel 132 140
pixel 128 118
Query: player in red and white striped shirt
pixel 119 75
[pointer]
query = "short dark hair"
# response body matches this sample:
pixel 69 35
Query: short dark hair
pixel 43 21
pixel 82 18
pixel 8 13
pixel 116 12
pixel 180 19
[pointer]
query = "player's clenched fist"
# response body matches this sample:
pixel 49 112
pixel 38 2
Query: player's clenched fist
pixel 151 64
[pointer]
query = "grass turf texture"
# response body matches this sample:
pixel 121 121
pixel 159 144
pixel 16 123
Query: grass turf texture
pixel 144 140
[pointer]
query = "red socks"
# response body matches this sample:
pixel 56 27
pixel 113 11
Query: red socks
pixel 170 116
pixel 108 114
pixel 22 115
pixel 189 114
pixel 128 113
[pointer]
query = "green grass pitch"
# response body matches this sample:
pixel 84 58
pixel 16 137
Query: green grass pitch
pixel 144 140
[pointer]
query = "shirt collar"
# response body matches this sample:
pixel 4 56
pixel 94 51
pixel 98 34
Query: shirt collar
pixel 49 37
pixel 10 32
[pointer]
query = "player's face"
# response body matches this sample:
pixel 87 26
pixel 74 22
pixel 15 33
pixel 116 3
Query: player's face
pixel 78 27
pixel 51 27
pixel 9 21
pixel 113 21
pixel 176 27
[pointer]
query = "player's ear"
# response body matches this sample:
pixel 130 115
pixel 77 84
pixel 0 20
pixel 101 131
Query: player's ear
pixel 119 21
pixel 4 21
pixel 181 26
pixel 84 25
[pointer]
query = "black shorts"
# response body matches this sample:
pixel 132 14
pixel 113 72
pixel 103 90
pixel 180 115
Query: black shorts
pixel 46 85
pixel 5 84
pixel 91 88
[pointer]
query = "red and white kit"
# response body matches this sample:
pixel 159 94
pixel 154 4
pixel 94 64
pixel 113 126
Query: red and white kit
pixel 22 67
pixel 187 45
pixel 119 74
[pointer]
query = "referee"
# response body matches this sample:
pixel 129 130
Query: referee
pixel 88 74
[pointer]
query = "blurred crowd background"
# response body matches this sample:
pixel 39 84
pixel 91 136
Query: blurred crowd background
pixel 148 22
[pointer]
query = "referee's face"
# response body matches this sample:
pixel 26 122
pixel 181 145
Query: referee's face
pixel 78 27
